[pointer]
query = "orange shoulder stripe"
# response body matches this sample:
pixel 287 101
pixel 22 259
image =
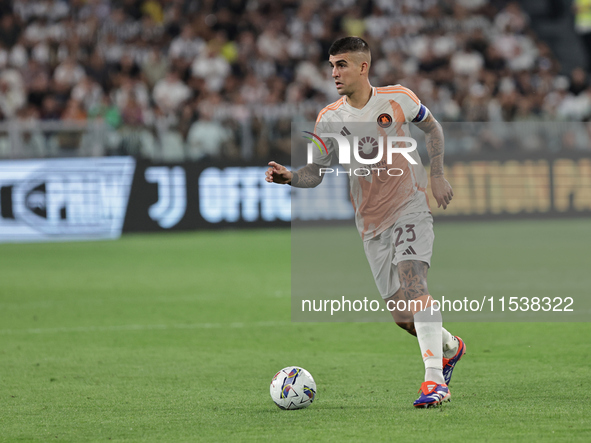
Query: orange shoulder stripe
pixel 386 88
pixel 398 89
pixel 332 107
pixel 401 90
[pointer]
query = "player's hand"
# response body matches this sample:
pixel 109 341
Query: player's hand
pixel 442 191
pixel 278 174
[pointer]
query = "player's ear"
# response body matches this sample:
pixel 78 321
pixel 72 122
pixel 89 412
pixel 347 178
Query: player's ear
pixel 364 67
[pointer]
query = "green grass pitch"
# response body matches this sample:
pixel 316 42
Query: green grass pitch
pixel 176 337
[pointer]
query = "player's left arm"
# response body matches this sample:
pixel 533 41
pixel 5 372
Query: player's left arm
pixel 440 187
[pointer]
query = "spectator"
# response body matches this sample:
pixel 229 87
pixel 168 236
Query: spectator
pixel 107 112
pixel 170 92
pixel 128 88
pixel 88 93
pixel 186 46
pixel 476 104
pixel 120 26
pixel 211 67
pixel 42 52
pixel 12 93
pixel 578 81
pixel 97 70
pixel 253 91
pixel 353 23
pixel 467 62
pixel 3 57
pixel 272 42
pixel 582 10
pixel 9 31
pixel 512 18
pixel 186 120
pixel 50 109
pixel 73 111
pixel 37 82
pixel 133 121
pixel 19 56
pixel 206 137
pixel 154 67
pixel 68 73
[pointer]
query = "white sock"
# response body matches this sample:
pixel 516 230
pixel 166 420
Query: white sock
pixel 429 331
pixel 450 343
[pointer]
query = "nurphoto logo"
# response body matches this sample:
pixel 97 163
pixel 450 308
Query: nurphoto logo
pixel 366 151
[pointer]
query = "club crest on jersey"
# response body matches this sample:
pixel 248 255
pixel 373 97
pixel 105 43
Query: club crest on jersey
pixel 384 120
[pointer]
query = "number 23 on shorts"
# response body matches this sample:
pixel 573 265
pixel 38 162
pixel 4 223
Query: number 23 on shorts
pixel 412 236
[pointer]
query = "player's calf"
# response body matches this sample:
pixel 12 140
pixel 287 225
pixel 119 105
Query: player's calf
pixel 403 317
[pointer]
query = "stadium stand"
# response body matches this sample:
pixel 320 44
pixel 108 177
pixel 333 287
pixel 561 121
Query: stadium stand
pixel 162 76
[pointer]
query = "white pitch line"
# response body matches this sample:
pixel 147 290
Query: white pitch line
pixel 261 324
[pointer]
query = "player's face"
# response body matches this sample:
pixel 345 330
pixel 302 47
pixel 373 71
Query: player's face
pixel 346 72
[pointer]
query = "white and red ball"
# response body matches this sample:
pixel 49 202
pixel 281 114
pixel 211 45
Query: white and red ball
pixel 293 388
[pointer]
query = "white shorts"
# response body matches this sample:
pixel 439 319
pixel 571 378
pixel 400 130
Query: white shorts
pixel 410 238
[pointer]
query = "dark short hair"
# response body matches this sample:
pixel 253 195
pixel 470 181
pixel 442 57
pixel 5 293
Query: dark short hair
pixel 348 44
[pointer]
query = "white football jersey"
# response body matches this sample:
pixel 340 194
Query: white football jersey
pixel 378 198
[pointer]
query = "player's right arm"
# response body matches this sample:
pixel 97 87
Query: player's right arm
pixel 307 177
pixel 310 175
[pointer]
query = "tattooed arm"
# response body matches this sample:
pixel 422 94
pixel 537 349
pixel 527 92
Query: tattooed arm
pixel 307 177
pixel 435 142
pixel 442 190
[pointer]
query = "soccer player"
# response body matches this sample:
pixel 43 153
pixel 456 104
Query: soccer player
pixel 392 212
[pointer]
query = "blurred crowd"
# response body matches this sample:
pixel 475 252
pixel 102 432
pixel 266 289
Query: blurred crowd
pixel 225 78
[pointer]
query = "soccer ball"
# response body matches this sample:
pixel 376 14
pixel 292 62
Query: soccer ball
pixel 293 388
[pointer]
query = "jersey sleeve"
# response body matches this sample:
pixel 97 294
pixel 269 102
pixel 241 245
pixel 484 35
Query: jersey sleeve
pixel 422 114
pixel 322 148
pixel 414 110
